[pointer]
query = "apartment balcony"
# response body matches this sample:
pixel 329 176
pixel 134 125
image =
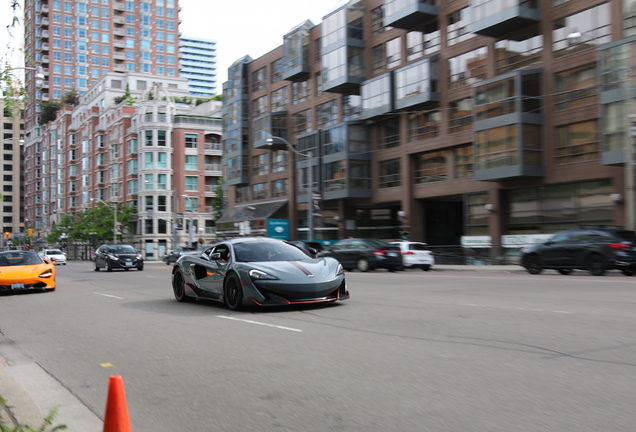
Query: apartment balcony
pixel 296 43
pixel 405 14
pixel 119 44
pixel 268 126
pixel 417 84
pixel 377 96
pixel 44 21
pixel 45 96
pixel 119 6
pixel 213 149
pixel 119 20
pixel 210 191
pixel 214 169
pixel 44 34
pixel 44 9
pixel 44 46
pixel 509 109
pixel 498 18
pixel 119 32
pixel 119 55
pixel 44 59
pixel 119 68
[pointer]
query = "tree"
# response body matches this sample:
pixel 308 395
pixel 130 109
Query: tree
pixel 217 201
pixel 49 110
pixel 71 98
pixel 127 96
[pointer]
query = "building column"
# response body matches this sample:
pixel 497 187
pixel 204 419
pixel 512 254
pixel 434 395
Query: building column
pixel 495 226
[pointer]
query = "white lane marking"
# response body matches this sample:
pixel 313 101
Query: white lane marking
pixel 260 323
pixel 108 295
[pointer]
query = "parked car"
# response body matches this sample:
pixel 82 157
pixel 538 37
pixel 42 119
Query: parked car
pixel 55 255
pixel 366 254
pixel 596 249
pixel 175 254
pixel 313 248
pixel 25 271
pixel 258 271
pixel 118 257
pixel 416 254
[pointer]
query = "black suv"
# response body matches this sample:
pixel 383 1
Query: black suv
pixel 118 257
pixel 596 249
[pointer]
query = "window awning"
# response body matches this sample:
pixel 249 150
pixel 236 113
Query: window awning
pixel 250 212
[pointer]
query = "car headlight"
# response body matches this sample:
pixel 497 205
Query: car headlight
pixel 261 275
pixel 113 257
pixel 139 257
pixel 339 269
pixel 46 274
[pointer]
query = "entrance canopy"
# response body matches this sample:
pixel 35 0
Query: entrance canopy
pixel 251 212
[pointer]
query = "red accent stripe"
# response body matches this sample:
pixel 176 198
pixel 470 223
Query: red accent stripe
pixel 304 270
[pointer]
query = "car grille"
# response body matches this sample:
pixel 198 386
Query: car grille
pixel 37 285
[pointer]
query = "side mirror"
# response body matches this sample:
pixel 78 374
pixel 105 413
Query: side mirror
pixel 312 251
pixel 215 256
pixel 548 243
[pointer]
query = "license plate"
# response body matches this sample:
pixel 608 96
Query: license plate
pixel 128 264
pixel 17 286
pixel 392 254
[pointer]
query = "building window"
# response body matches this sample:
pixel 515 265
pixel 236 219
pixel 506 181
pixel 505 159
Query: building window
pixel 629 18
pixel 259 106
pixel 279 100
pixel 577 142
pixel 393 53
pixel 377 21
pixel 464 162
pixel 497 147
pixel 302 122
pixel 423 43
pixel 191 162
pixel 477 217
pixel 300 92
pixel 260 164
pixel 259 79
pixel 161 138
pixel 576 87
pixel 514 55
pixel 335 176
pixel 279 160
pixel 468 68
pixel 390 174
pixel 242 194
pixel 327 114
pixel 457 29
pixel 276 69
pixel 259 191
pixel 280 188
pixel 461 116
pixel 148 138
pixel 191 183
pixel 431 167
pixel 424 125
pixel 379 59
pixel 388 134
pixel 593 25
pixel 191 140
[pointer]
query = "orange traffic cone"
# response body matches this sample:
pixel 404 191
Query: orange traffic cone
pixel 116 418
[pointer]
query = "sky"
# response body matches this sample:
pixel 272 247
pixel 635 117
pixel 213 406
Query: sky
pixel 240 27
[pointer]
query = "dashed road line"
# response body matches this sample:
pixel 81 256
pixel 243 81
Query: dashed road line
pixel 260 323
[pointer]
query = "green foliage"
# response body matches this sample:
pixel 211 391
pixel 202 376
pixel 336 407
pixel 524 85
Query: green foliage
pixel 127 96
pixel 49 110
pixel 218 97
pixel 99 220
pixel 13 90
pixel 47 424
pixel 71 98
pixel 217 201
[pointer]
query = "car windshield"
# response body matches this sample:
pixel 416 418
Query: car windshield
pixel 54 252
pixel 267 251
pixel 19 258
pixel 122 249
pixel 378 243
pixel 629 236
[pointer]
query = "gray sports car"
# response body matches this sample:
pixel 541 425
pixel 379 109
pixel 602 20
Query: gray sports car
pixel 258 271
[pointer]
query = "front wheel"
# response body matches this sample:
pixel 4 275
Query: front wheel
pixel 533 264
pixel 629 272
pixel 178 287
pixel 232 292
pixel 426 267
pixel 596 265
pixel 95 266
pixel 109 266
pixel 140 268
pixel 565 271
pixel 363 265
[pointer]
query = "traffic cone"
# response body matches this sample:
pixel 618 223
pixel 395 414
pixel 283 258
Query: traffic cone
pixel 116 418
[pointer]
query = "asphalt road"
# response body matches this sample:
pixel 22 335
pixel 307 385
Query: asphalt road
pixel 410 351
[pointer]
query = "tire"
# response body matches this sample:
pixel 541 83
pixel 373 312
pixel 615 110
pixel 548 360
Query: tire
pixel 126 269
pixel 596 265
pixel 178 288
pixel 232 292
pixel 363 265
pixel 109 267
pixel 533 264
pixel 95 267
pixel 140 268
pixel 426 267
pixel 565 271
pixel 392 269
pixel 628 272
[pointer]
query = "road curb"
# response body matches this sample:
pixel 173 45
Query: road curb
pixel 20 408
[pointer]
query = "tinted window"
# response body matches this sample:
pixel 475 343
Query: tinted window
pixel 378 243
pixel 562 237
pixel 417 246
pixel 19 258
pixel 267 251
pixel 54 252
pixel 627 235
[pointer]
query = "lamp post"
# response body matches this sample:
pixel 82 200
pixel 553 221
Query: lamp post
pixel 310 181
pixel 114 204
pixel 191 227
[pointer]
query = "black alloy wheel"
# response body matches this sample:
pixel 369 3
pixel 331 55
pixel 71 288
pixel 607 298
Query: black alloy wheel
pixel 533 264
pixel 232 292
pixel 565 271
pixel 95 266
pixel 629 272
pixel 109 266
pixel 178 287
pixel 596 265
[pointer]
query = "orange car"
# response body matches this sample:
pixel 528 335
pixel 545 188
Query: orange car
pixel 25 271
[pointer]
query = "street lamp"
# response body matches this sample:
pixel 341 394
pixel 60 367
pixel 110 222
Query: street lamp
pixel 191 227
pixel 310 181
pixel 114 204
